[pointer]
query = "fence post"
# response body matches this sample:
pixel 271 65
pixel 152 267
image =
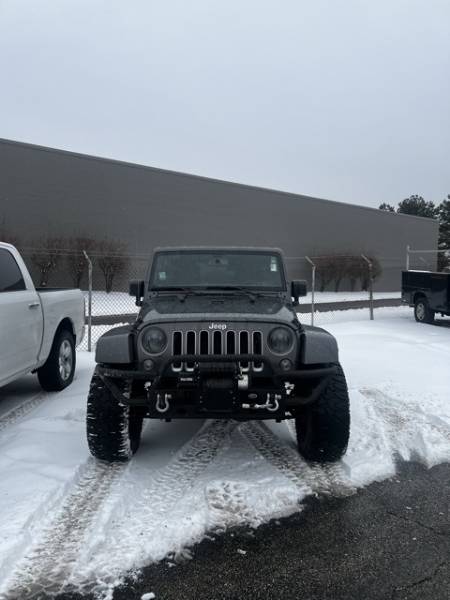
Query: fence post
pixel 89 262
pixel 313 286
pixel 407 257
pixel 369 264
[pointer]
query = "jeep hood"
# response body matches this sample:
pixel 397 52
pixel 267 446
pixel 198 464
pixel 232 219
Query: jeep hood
pixel 217 308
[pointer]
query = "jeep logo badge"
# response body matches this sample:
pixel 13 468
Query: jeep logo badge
pixel 220 326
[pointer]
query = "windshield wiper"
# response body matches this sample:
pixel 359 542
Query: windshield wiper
pixel 182 292
pixel 236 288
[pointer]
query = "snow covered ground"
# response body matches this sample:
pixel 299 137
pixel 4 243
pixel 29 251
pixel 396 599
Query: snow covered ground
pixel 347 296
pixel 114 303
pixel 67 522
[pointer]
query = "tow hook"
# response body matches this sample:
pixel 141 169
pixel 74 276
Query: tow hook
pixel 162 403
pixel 272 404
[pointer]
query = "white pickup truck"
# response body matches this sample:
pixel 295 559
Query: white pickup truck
pixel 39 329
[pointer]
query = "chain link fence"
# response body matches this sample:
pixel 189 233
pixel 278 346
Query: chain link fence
pixel 337 283
pixel 103 279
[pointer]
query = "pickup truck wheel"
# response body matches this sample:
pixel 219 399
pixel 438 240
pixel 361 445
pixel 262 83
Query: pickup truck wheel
pixel 58 370
pixel 323 428
pixel 113 429
pixel 422 312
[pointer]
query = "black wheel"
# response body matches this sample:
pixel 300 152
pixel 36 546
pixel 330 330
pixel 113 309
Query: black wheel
pixel 58 370
pixel 323 428
pixel 422 312
pixel 113 429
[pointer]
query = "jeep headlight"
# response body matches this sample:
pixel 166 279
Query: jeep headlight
pixel 280 340
pixel 154 340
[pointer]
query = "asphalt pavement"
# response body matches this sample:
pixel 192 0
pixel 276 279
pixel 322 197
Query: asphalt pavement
pixel 390 540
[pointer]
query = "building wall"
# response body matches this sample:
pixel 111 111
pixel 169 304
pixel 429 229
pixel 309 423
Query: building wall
pixel 50 192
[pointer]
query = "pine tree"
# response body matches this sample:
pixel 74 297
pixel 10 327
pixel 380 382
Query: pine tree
pixel 416 205
pixel 387 207
pixel 444 234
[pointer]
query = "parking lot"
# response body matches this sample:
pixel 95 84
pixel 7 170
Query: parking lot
pixel 81 527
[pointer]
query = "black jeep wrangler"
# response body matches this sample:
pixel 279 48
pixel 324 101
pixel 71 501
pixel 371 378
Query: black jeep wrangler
pixel 218 337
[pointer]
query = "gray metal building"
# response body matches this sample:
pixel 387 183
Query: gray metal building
pixel 45 192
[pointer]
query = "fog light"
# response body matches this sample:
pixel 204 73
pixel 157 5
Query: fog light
pixel 148 364
pixel 286 364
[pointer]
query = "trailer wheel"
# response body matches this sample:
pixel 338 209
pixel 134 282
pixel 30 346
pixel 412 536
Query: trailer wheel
pixel 323 428
pixel 58 370
pixel 422 311
pixel 113 429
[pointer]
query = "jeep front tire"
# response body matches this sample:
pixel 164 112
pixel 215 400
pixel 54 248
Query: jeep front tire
pixel 323 428
pixel 113 429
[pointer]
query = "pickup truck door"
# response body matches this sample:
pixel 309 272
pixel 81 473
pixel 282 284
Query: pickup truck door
pixel 21 321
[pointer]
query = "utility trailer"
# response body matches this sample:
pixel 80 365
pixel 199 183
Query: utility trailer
pixel 428 292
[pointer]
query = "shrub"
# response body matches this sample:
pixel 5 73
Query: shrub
pixel 76 261
pixel 111 261
pixel 47 257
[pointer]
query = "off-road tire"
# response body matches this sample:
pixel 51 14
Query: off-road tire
pixel 422 311
pixel 323 428
pixel 113 429
pixel 54 376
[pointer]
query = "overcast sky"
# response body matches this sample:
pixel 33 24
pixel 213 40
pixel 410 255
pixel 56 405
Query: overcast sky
pixel 347 100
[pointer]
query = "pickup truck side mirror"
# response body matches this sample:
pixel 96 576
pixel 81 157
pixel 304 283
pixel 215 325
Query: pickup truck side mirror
pixel 298 289
pixel 137 290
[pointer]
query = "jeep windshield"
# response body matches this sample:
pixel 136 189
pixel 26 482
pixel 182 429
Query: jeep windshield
pixel 217 270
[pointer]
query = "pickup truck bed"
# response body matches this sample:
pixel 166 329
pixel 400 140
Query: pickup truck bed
pixel 428 292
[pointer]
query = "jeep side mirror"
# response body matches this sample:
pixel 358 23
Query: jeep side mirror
pixel 298 289
pixel 137 290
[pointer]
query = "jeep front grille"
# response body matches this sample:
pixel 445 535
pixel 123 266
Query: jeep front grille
pixel 216 342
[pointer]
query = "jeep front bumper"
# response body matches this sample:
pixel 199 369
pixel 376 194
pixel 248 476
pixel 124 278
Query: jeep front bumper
pixel 215 386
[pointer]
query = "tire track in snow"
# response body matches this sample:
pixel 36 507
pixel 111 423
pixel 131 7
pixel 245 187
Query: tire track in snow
pixel 409 432
pixel 308 478
pixel 17 413
pixel 50 567
pixel 43 568
pixel 406 422
pixel 146 511
pixel 169 483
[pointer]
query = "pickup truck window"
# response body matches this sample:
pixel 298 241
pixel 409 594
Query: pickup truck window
pixel 11 279
pixel 219 269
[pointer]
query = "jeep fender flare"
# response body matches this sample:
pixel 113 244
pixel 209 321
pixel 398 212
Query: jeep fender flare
pixel 115 346
pixel 317 346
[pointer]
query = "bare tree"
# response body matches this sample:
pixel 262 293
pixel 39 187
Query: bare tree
pixel 47 257
pixel 335 268
pixel 111 261
pixel 76 261
pixel 324 270
pixel 8 237
pixel 354 266
pixel 365 274
pixel 341 266
pixel 331 269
